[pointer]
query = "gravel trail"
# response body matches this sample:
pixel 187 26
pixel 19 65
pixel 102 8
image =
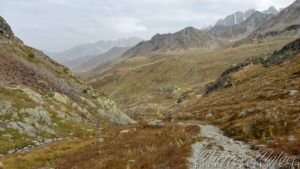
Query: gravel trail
pixel 217 151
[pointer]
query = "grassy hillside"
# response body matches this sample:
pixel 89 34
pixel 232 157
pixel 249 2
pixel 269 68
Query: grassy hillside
pixel 146 87
pixel 261 105
pixel 128 146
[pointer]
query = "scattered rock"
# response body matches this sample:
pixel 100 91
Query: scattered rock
pixel 36 142
pixel 7 135
pixel 156 122
pixel 89 130
pixel 11 151
pixel 296 119
pixel 291 138
pixel 250 110
pixel 1 164
pixel 241 114
pixel 59 138
pixel 179 100
pixel 199 96
pixel 61 98
pixel 37 114
pixel 271 141
pixel 292 92
pixel 5 106
pixel 260 146
pixel 124 131
pixel 35 96
pixel 23 128
pixel 47 141
pixel 100 139
pixel 208 115
pixel 99 130
pixel 131 161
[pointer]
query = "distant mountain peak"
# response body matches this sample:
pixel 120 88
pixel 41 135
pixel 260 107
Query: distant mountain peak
pixel 271 10
pixel 190 28
pixel 75 56
pixel 239 17
pixel 235 18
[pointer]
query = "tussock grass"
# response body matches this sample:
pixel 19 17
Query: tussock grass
pixel 144 146
pixel 257 108
pixel 134 83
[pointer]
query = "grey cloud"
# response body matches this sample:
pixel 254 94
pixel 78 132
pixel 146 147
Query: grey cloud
pixel 55 25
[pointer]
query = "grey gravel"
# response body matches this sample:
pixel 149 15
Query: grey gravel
pixel 224 146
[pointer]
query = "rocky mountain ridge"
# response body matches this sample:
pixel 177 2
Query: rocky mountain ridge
pixel 241 30
pixel 187 39
pixel 235 18
pixel 239 17
pixel 284 25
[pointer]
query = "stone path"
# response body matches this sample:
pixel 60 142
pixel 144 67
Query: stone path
pixel 216 151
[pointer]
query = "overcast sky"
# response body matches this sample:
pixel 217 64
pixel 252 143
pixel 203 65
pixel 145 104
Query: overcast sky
pixel 55 25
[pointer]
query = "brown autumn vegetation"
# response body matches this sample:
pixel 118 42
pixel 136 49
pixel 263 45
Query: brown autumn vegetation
pixel 146 87
pixel 258 108
pixel 144 146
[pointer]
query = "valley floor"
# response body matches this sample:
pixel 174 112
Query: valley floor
pixel 152 144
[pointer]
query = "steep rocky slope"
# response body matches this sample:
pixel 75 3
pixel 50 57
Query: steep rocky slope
pixel 256 101
pixel 240 24
pixel 41 99
pixel 243 29
pixel 284 24
pixel 235 19
pixel 186 39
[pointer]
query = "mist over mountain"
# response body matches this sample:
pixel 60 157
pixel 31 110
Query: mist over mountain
pixel 232 88
pixel 240 19
pixel 287 20
pixel 78 54
pixel 110 55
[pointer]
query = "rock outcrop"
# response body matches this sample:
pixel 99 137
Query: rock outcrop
pixel 41 98
pixel 5 29
pixel 286 52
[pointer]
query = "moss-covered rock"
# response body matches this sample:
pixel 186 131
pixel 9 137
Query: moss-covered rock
pixel 61 98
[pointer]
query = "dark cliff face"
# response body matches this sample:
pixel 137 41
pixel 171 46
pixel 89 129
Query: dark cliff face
pixel 5 29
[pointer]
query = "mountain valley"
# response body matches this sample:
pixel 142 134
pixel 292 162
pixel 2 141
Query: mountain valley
pixel 232 88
